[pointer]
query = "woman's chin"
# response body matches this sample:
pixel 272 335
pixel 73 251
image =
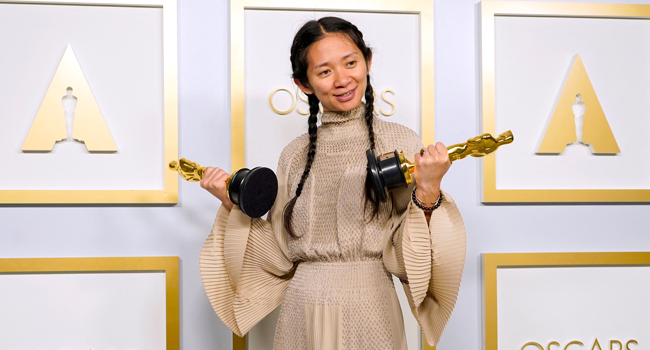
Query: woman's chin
pixel 343 106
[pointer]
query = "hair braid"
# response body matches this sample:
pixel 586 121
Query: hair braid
pixel 370 102
pixel 311 154
pixel 371 199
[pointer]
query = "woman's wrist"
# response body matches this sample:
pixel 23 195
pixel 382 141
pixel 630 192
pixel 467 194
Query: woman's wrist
pixel 226 203
pixel 425 205
pixel 428 193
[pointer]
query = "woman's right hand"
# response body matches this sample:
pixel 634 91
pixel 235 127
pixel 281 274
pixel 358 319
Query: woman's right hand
pixel 214 181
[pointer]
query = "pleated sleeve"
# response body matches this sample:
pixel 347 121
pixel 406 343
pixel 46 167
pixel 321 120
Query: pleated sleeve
pixel 429 260
pixel 244 263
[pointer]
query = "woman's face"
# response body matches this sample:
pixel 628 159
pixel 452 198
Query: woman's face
pixel 337 73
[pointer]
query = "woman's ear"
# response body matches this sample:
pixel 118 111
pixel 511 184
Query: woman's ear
pixel 369 63
pixel 304 88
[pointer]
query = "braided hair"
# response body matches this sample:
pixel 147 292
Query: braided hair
pixel 308 34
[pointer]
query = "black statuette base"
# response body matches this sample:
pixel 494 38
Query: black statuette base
pixel 385 172
pixel 254 191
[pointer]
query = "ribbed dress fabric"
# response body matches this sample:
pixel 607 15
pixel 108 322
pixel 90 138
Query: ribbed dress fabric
pixel 334 279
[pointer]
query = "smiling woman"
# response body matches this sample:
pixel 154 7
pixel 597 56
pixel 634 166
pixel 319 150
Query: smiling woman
pixel 329 247
pixel 337 73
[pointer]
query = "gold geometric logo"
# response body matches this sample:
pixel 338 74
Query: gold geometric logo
pixel 69 112
pixel 578 118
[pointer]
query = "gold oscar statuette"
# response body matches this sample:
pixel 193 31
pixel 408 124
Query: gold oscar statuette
pixel 479 146
pixel 187 169
pixel 392 170
pixel 253 190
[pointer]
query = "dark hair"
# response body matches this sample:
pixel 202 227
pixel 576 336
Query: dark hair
pixel 308 34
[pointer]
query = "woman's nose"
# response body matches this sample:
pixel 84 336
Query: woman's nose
pixel 341 78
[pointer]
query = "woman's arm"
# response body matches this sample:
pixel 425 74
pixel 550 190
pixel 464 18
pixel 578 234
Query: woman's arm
pixel 428 256
pixel 430 167
pixel 214 181
pixel 426 249
pixel 244 262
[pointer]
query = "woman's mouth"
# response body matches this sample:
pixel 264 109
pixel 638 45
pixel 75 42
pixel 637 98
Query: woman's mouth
pixel 346 96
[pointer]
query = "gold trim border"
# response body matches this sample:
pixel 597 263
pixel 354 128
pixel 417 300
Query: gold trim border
pixel 494 261
pixel 492 9
pixel 237 114
pixel 168 265
pixel 237 7
pixel 168 195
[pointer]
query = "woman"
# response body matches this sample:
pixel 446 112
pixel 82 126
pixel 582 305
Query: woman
pixel 329 247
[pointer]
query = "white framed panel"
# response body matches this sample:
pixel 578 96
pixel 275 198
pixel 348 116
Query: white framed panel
pixel 127 52
pixel 529 50
pixel 81 310
pixel 539 51
pixel 567 300
pixel 96 303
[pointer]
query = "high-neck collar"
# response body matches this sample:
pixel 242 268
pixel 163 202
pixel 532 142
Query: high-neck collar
pixel 342 117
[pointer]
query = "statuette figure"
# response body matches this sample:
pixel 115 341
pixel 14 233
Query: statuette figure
pixel 479 146
pixel 579 108
pixel 69 104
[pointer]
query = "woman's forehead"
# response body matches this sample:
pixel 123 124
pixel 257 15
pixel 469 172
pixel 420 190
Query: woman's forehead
pixel 332 48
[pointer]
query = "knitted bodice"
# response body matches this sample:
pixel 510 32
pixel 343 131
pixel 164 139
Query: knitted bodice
pixel 329 217
pixel 329 117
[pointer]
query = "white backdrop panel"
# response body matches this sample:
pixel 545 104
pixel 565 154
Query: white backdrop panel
pixel 564 304
pixel 395 65
pixel 118 311
pixel 533 58
pixel 120 52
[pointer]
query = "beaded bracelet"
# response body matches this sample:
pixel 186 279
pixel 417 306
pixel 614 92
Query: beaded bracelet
pixel 420 204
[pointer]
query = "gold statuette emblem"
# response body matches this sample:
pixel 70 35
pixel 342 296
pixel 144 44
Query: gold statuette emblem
pixel 69 112
pixel 578 118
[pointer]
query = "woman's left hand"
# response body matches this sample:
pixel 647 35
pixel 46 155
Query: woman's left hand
pixel 430 168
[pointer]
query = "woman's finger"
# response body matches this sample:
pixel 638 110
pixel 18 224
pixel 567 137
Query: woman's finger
pixel 212 176
pixel 440 147
pixel 417 157
pixel 207 174
pixel 221 178
pixel 442 152
pixel 432 150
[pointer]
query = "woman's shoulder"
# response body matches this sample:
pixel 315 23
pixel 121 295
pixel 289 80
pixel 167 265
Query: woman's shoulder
pixel 394 130
pixel 290 151
pixel 395 135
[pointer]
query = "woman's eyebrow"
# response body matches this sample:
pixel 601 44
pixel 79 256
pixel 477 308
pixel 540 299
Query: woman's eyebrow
pixel 348 55
pixel 342 59
pixel 322 64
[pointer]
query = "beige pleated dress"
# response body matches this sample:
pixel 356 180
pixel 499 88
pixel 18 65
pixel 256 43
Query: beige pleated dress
pixel 334 280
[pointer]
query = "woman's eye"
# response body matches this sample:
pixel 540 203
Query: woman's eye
pixel 352 63
pixel 324 73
